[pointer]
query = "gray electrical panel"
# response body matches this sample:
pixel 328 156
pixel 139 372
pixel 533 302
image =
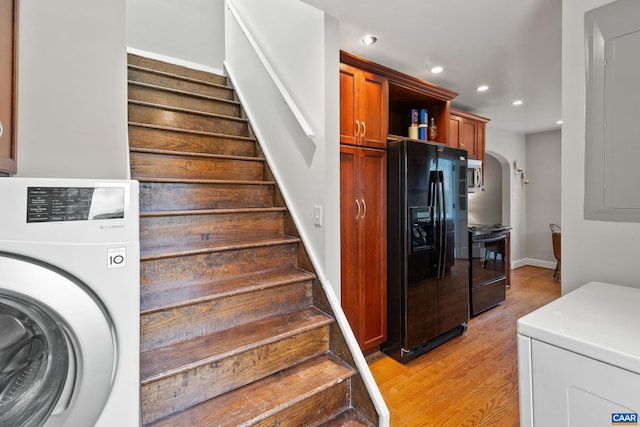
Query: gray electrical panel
pixel 612 156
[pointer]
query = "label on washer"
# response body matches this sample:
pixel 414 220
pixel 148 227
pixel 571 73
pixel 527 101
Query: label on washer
pixel 116 257
pixel 52 204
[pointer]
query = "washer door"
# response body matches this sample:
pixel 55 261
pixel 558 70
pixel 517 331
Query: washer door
pixel 34 363
pixel 57 347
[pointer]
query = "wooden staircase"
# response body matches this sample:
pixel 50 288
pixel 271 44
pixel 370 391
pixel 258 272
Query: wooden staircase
pixel 233 330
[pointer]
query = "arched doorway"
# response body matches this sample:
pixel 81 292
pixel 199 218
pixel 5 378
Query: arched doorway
pixel 492 205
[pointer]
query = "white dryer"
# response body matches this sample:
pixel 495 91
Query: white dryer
pixel 579 359
pixel 69 302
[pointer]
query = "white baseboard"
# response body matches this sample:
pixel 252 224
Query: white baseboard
pixel 534 262
pixel 174 61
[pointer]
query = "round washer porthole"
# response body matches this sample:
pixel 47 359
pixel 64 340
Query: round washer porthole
pixel 62 311
pixel 34 359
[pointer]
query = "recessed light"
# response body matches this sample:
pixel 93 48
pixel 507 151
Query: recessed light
pixel 559 122
pixel 517 102
pixel 436 70
pixel 482 88
pixel 369 39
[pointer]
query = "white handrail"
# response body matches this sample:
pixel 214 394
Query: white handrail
pixel 274 76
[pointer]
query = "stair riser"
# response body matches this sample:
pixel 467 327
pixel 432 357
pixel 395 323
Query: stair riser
pixel 176 69
pixel 312 411
pixel 182 100
pixel 170 82
pixel 142 137
pixel 147 165
pixel 184 390
pixel 187 120
pixel 189 322
pixel 168 197
pixel 203 268
pixel 167 230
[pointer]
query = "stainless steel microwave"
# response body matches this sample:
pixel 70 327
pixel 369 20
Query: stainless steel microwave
pixel 474 175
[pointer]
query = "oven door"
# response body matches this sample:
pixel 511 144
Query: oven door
pixel 487 275
pixel 488 260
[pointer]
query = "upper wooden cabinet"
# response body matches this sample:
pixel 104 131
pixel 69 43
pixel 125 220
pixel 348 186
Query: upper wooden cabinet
pixel 400 94
pixel 7 87
pixel 363 108
pixel 467 131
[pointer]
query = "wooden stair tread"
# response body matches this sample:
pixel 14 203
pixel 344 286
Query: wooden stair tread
pixel 211 211
pixel 188 111
pixel 182 92
pixel 192 154
pixel 211 75
pixel 267 396
pixel 202 181
pixel 173 359
pixel 191 131
pixel 178 76
pixel 162 296
pixel 212 246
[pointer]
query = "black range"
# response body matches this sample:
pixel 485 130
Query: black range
pixel 487 266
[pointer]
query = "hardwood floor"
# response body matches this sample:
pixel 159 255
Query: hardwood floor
pixel 471 380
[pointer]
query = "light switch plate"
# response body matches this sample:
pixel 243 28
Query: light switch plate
pixel 317 215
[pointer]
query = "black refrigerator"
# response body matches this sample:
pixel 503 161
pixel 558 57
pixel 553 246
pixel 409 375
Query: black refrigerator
pixel 427 256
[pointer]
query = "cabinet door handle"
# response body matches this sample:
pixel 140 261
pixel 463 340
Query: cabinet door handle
pixel 358 214
pixel 357 128
pixel 364 129
pixel 364 208
pixel 1 128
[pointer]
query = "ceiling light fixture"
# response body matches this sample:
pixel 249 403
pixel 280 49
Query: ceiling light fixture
pixel 517 102
pixel 369 39
pixel 482 88
pixel 559 122
pixel 436 70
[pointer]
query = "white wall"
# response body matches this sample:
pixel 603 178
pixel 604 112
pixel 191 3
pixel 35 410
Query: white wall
pixel 72 90
pixel 543 194
pixel 307 170
pixel 189 30
pixel 511 146
pixel 485 207
pixel 591 250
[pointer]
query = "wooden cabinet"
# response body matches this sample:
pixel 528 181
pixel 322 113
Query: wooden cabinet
pixel 363 108
pixel 467 132
pixel 7 86
pixel 363 229
pixel 399 93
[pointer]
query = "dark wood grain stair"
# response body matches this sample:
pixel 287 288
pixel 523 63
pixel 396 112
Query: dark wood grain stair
pixel 153 94
pixel 298 396
pixel 232 332
pixel 149 135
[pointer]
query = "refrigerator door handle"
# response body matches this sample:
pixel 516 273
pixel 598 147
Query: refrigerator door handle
pixel 436 201
pixel 443 231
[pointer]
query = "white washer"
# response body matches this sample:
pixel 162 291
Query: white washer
pixel 579 359
pixel 69 302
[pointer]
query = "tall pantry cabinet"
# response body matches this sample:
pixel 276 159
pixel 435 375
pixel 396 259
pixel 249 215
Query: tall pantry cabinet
pixel 363 193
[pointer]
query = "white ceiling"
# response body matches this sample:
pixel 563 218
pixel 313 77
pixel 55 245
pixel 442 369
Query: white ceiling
pixel 513 46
